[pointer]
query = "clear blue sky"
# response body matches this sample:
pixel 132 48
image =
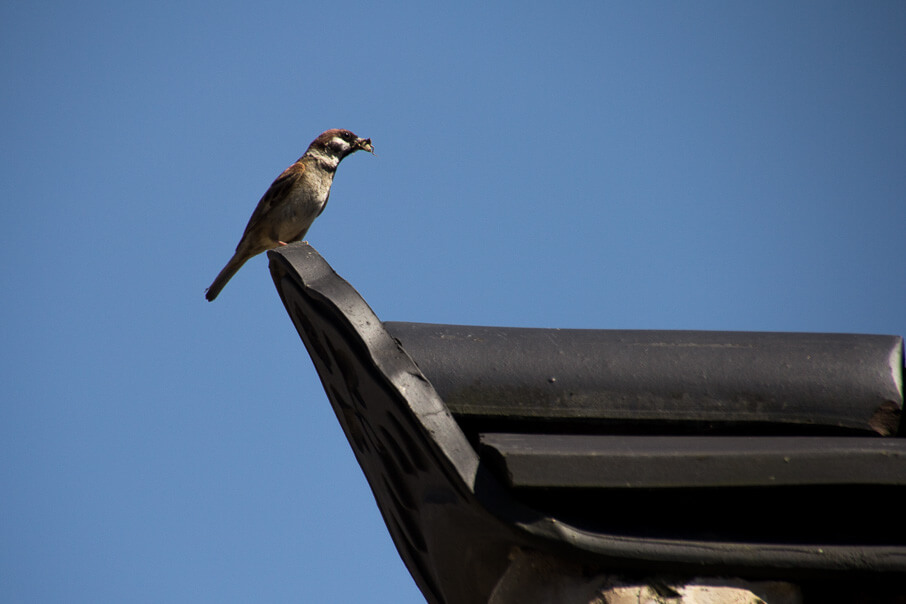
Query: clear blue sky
pixel 705 165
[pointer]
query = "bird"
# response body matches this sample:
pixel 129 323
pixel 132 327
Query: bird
pixel 293 201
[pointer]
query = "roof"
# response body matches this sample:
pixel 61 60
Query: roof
pixel 644 451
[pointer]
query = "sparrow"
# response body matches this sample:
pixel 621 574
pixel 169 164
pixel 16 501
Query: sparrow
pixel 293 201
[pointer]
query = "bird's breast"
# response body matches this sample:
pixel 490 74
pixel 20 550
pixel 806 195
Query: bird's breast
pixel 303 206
pixel 319 182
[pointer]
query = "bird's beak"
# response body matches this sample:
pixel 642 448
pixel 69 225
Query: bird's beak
pixel 365 143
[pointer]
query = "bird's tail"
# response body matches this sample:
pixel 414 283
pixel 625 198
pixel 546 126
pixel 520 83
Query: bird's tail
pixel 225 275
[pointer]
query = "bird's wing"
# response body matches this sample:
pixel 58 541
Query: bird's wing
pixel 276 193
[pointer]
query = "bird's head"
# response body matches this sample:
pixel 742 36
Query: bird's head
pixel 336 143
